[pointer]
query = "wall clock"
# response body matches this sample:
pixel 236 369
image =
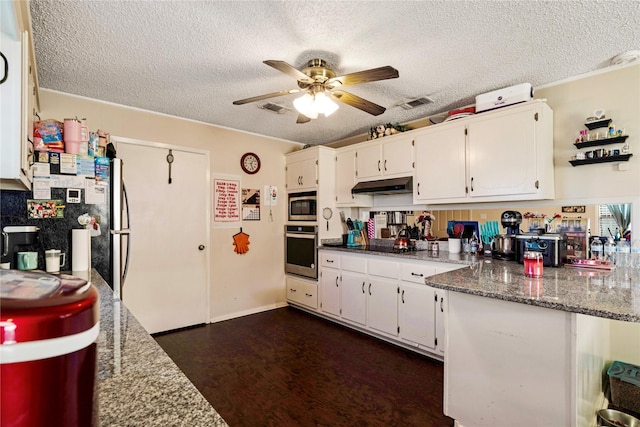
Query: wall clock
pixel 250 163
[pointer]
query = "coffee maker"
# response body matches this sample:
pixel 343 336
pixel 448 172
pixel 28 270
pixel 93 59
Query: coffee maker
pixel 504 245
pixel 16 238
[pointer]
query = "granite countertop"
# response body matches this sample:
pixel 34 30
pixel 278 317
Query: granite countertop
pixel 613 294
pixel 440 256
pixel 138 384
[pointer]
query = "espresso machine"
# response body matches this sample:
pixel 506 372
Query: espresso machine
pixel 16 238
pixel 504 245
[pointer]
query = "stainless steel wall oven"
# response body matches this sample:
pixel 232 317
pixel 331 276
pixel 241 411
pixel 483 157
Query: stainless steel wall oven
pixel 301 250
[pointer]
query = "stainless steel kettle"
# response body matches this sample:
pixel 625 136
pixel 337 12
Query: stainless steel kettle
pixel 503 244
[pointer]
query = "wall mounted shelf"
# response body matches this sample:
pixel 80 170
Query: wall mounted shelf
pixel 608 159
pixel 598 124
pixel 604 141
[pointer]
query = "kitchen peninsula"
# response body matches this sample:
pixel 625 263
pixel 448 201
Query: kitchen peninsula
pixel 138 384
pixel 531 351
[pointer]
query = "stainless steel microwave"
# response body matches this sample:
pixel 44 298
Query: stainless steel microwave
pixel 303 206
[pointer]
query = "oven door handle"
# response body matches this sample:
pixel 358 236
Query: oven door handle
pixel 302 235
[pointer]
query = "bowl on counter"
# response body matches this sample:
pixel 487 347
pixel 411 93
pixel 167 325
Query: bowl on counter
pixel 613 418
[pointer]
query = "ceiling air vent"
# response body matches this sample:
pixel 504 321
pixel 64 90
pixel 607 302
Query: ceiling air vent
pixel 416 103
pixel 280 109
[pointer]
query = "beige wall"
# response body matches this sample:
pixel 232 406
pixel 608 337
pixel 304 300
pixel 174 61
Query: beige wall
pixel 240 284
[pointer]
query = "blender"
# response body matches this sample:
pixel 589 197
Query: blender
pixel 504 245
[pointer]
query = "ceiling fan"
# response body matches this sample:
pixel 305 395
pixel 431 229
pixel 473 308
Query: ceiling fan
pixel 317 81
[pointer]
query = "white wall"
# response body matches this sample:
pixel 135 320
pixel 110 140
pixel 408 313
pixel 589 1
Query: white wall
pixel 240 284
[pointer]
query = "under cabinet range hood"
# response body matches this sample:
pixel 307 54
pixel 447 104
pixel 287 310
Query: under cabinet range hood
pixel 385 186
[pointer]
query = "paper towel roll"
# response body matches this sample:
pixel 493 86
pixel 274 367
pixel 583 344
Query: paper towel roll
pixel 80 250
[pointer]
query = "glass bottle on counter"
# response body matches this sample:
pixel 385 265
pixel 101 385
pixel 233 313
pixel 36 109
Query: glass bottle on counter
pixel 623 253
pixel 473 244
pixel 596 248
pixel 610 250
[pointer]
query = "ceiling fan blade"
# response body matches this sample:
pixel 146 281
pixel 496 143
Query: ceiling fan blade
pixel 302 119
pixel 357 102
pixel 265 96
pixel 375 74
pixel 290 70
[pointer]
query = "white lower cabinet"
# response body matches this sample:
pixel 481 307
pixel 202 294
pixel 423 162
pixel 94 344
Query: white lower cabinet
pixel 417 315
pixel 382 307
pixel 303 292
pixel 385 297
pixel 330 291
pixel 353 296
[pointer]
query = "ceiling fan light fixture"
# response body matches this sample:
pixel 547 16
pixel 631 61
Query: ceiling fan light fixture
pixel 312 105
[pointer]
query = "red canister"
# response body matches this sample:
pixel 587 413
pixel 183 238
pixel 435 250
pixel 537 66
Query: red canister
pixel 533 264
pixel 48 330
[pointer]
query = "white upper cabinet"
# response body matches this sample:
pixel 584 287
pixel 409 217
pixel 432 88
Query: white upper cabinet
pixel 503 155
pixel 346 179
pixel 302 174
pixel 19 100
pixel 387 157
pixel 440 169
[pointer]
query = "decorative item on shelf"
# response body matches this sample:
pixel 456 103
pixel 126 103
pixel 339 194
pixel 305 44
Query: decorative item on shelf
pixel 425 220
pixel 386 130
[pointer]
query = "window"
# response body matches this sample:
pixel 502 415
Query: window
pixel 606 223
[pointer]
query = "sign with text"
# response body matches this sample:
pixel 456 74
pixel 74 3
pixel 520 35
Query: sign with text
pixel 226 201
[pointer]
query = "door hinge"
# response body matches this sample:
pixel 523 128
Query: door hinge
pixel 413 165
pixel 537 184
pixel 398 329
pixel 466 190
pixel 436 298
pixel 436 341
pixel 413 142
pixel 316 163
pixel 535 117
pixel 466 131
pixel 340 312
pixel 398 289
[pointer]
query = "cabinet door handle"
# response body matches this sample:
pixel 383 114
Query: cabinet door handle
pixel 292 290
pixel 403 296
pixel 441 306
pixel 471 183
pixel 417 274
pixel 336 281
pixel 378 165
pixel 418 189
pixel 385 165
pixel 369 288
pixel 363 287
pixel 309 295
pixel 330 261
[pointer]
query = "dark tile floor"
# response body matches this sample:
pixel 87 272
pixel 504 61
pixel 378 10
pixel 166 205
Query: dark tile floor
pixel 286 367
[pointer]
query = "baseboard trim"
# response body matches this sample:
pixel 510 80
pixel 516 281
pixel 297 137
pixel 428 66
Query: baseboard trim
pixel 247 312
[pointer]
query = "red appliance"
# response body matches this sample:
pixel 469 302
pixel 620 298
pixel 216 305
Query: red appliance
pixel 48 330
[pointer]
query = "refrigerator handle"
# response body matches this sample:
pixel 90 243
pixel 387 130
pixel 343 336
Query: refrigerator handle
pixel 126 262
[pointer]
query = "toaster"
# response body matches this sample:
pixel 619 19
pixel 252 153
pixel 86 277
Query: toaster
pixel 553 248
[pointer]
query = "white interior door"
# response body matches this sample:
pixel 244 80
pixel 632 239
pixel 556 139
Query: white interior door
pixel 166 285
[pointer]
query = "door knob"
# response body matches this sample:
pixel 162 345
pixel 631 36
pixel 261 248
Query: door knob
pixel 201 247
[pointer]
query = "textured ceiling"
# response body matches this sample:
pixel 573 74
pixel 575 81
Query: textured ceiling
pixel 192 59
